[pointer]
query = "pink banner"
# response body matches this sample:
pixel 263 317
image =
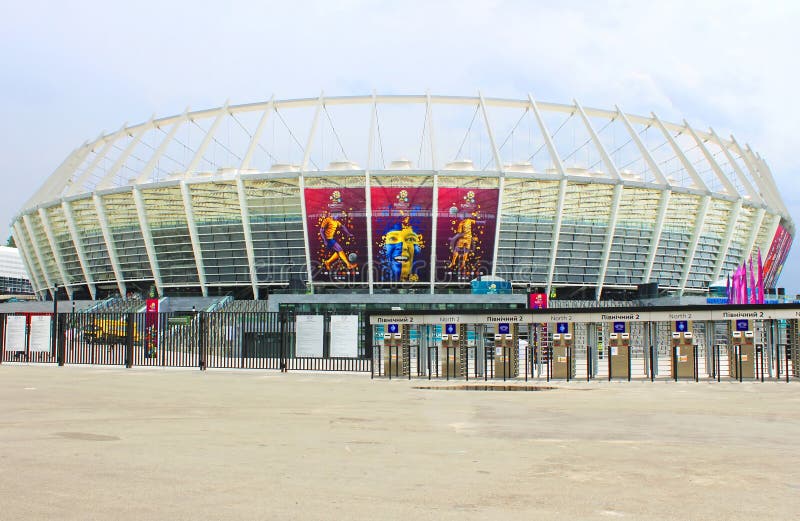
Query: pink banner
pixel 465 229
pixel 337 233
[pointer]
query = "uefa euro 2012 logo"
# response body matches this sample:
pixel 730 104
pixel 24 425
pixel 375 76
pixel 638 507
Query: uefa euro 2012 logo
pixel 336 197
pixel 469 198
pixel 402 196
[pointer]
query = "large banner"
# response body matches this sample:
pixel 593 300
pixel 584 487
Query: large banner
pixel 776 256
pixel 337 233
pixel 465 231
pixel 401 232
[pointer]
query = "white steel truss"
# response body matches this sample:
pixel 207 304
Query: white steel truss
pixel 747 184
pixel 21 239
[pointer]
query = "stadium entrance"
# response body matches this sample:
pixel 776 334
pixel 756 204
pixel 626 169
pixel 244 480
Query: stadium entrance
pixel 686 343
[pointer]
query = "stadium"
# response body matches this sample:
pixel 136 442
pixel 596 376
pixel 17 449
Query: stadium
pixel 415 194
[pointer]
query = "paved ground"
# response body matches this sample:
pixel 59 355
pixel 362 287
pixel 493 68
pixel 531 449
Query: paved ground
pixel 97 443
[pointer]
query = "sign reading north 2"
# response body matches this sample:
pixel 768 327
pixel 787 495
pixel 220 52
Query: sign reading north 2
pixel 742 325
pixel 681 326
pixel 337 233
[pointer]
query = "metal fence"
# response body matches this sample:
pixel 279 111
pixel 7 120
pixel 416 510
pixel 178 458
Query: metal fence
pixel 228 340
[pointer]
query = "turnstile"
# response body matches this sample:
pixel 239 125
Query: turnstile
pixel 454 350
pixel 619 344
pixel 506 351
pixel 562 360
pixel 396 350
pixel 742 356
pixel 684 352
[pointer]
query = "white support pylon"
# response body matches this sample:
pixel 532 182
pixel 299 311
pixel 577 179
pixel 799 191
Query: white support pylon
pixel 51 240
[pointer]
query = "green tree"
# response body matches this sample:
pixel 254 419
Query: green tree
pixel 10 241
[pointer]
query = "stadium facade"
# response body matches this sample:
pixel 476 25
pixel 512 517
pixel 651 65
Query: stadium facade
pixel 421 194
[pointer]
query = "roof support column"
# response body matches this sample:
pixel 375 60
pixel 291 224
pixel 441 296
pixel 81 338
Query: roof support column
pixel 699 225
pixel 20 240
pixel 38 252
pixel 611 168
pixel 726 241
pixel 758 220
pixel 435 204
pixel 302 183
pixel 502 183
pixel 562 191
pixel 368 193
pixel 77 185
pixel 609 240
pixel 248 234
pixel 110 247
pixel 76 241
pixel 251 148
pixel 663 204
pixel 149 245
pixel 147 171
pixel 51 239
pixel 198 253
pixel 198 156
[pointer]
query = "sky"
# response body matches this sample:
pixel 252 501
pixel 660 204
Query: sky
pixel 70 70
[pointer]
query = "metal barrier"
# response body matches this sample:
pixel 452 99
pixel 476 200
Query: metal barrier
pixel 229 340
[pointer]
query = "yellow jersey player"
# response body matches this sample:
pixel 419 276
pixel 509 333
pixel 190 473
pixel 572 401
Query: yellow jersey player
pixel 327 232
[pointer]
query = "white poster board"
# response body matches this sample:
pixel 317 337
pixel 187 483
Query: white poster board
pixel 15 333
pixel 344 336
pixel 309 330
pixel 40 334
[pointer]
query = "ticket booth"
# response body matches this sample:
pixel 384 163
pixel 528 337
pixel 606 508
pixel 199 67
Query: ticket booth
pixel 562 359
pixel 619 351
pixel 683 350
pixel 396 350
pixel 742 356
pixel 454 350
pixel 506 353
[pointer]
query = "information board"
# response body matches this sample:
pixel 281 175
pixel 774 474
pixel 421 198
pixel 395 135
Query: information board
pixel 308 338
pixel 15 333
pixel 344 336
pixel 40 333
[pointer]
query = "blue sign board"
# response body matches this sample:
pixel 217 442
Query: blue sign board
pixel 449 329
pixel 503 328
pixel 562 327
pixel 393 328
pixel 619 327
pixel 681 326
pixel 742 325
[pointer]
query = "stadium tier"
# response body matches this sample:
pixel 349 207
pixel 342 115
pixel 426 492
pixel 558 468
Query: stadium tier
pixel 371 194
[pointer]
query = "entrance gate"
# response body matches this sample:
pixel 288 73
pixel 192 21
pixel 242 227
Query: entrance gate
pixel 689 343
